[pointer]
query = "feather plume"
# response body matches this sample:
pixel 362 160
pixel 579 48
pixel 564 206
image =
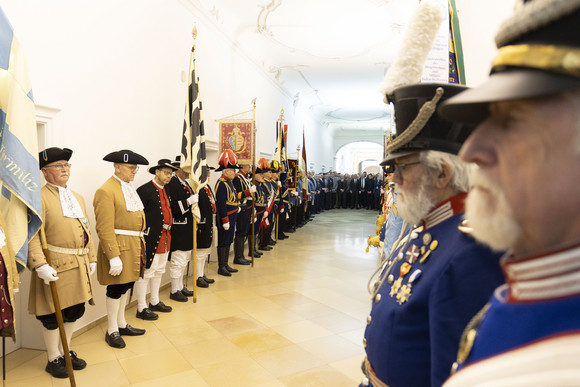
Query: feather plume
pixel 417 41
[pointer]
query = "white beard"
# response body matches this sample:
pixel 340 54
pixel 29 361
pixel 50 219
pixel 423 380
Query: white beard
pixel 490 215
pixel 414 207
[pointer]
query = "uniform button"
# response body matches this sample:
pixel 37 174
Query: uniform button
pixel 377 298
pixel 5 321
pixel 369 319
pixel 364 342
pixel 3 310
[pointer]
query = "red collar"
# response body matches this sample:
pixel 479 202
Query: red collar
pixel 445 210
pixel 551 275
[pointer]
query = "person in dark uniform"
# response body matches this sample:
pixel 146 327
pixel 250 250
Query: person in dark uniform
pixel 262 203
pixel 207 209
pixel 244 189
pixel 120 222
pixel 525 198
pixel 159 219
pixel 438 277
pixel 73 258
pixel 282 200
pixel 181 197
pixel 227 209
pixel 271 189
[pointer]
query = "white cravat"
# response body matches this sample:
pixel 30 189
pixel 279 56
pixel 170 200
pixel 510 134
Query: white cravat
pixel 132 200
pixel 69 204
pixel 2 239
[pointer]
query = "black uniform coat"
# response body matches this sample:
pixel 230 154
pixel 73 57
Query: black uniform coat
pixel 182 228
pixel 149 195
pixel 205 226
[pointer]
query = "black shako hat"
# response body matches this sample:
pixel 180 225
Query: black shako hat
pixel 538 54
pixel 419 127
pixel 163 163
pixel 177 163
pixel 50 155
pixel 126 156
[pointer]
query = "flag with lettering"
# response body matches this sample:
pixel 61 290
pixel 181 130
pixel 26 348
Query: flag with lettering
pixel 20 200
pixel 456 67
pixel 193 154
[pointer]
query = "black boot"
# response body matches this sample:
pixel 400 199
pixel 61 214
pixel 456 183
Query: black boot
pixel 257 254
pixel 223 261
pixel 239 258
pixel 226 258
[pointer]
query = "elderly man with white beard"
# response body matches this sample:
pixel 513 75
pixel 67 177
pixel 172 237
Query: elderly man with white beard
pixel 439 276
pixel 526 198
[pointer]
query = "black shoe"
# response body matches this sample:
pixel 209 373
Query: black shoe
pixel 223 271
pixel 77 363
pixel 147 314
pixel 271 242
pixel 241 261
pixel 178 296
pixel 265 248
pixel 201 283
pixel 114 340
pixel 208 280
pixel 282 236
pixel 130 331
pixel 160 307
pixel 230 269
pixel 57 368
pixel 187 292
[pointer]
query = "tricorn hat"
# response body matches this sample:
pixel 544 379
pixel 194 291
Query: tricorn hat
pixel 227 160
pixel 538 54
pixel 126 156
pixel 163 163
pixel 50 155
pixel 419 127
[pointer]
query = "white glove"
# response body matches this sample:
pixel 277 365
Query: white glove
pixel 46 273
pixel 226 226
pixel 265 214
pixel 279 183
pixel 253 189
pixel 116 266
pixel 93 266
pixel 193 199
pixel 239 209
pixel 281 210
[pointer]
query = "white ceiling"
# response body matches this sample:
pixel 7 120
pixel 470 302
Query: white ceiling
pixel 328 55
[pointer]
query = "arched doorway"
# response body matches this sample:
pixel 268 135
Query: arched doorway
pixel 357 156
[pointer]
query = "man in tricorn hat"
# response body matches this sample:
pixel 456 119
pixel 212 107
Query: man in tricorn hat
pixel 227 209
pixel 159 219
pixel 120 223
pixel 528 134
pixel 72 256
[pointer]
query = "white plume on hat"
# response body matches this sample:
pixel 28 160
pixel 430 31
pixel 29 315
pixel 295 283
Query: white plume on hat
pixel 417 41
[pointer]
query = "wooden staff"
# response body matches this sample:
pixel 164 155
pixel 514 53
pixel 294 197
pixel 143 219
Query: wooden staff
pixel 252 238
pixel 57 311
pixel 194 257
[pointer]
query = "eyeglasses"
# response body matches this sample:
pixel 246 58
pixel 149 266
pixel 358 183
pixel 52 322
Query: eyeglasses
pixel 397 169
pixel 133 168
pixel 59 166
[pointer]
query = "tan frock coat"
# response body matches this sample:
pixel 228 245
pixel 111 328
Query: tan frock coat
pixel 74 283
pixel 111 213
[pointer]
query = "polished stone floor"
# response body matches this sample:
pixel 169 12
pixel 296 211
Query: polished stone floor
pixel 295 319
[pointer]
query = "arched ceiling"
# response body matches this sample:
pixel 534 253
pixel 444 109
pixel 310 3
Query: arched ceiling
pixel 328 55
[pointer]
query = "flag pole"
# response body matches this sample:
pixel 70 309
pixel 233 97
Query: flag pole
pixel 281 133
pixel 57 311
pixel 194 252
pixel 252 238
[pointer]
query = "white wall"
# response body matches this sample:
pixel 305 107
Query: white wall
pixel 116 72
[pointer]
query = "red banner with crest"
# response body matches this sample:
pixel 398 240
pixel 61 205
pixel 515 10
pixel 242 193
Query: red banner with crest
pixel 237 135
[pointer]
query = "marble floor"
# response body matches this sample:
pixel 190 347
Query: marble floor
pixel 295 319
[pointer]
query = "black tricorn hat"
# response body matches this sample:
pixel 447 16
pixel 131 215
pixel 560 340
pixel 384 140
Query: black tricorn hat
pixel 538 54
pixel 50 155
pixel 163 163
pixel 126 156
pixel 419 127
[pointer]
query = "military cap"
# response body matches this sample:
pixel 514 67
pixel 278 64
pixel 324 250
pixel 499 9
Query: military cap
pixel 126 156
pixel 275 166
pixel 163 163
pixel 538 54
pixel 50 155
pixel 263 166
pixel 419 127
pixel 227 160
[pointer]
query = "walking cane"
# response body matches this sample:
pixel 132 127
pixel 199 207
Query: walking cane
pixel 194 257
pixel 57 312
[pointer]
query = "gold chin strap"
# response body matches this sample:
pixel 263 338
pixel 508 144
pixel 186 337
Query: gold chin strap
pixel 559 59
pixel 418 123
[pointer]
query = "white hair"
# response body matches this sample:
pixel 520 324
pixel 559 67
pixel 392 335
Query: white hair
pixel 433 162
